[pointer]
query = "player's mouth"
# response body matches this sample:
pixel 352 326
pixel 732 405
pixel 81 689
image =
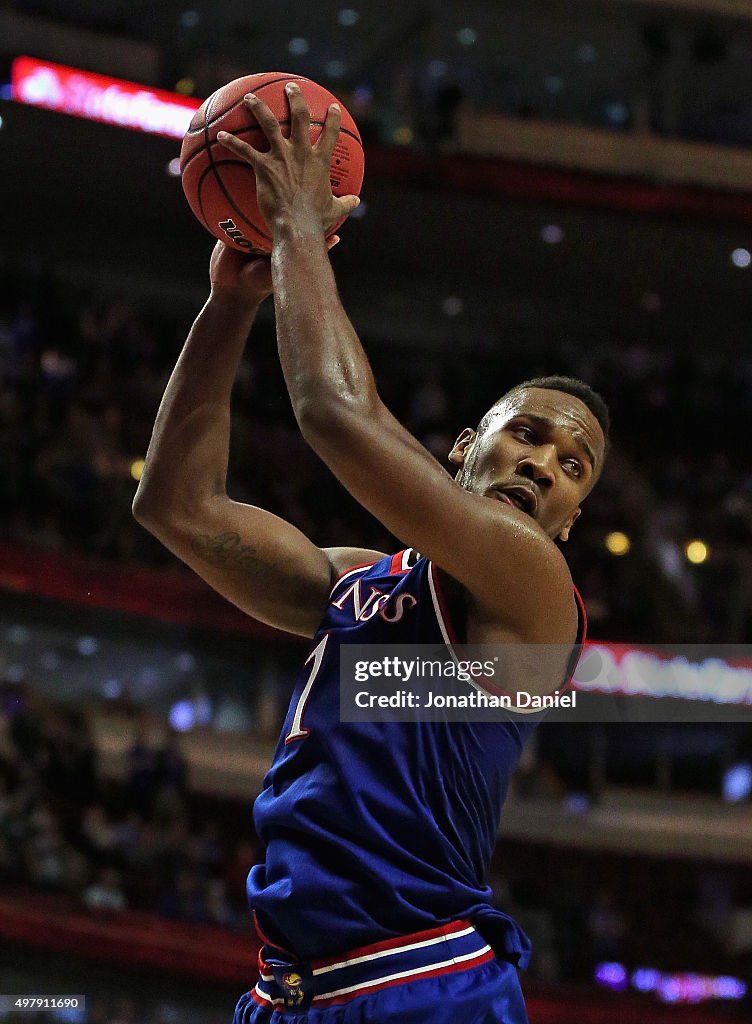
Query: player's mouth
pixel 523 498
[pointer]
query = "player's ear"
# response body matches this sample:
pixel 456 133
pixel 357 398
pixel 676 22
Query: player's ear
pixel 458 454
pixel 564 532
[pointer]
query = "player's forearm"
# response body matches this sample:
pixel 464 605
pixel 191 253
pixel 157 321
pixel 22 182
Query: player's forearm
pixel 187 458
pixel 328 376
pixel 322 359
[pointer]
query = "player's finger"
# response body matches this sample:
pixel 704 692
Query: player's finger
pixel 330 132
pixel 344 205
pixel 266 119
pixel 240 148
pixel 300 117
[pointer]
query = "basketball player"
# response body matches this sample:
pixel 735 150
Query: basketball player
pixel 371 903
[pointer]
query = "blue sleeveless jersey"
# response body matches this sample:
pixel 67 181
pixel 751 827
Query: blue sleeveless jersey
pixel 374 830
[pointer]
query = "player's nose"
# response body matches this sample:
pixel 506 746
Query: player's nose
pixel 538 466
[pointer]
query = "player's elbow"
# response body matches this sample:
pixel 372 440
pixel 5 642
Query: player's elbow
pixel 164 496
pixel 152 507
pixel 159 518
pixel 323 416
pixel 144 510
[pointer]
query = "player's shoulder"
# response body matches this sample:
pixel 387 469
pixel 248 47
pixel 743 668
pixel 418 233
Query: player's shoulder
pixel 532 607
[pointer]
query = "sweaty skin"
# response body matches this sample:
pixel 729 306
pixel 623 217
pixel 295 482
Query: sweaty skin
pixel 518 583
pixel 546 445
pixel 491 531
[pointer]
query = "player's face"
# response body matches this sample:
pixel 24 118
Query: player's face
pixel 541 452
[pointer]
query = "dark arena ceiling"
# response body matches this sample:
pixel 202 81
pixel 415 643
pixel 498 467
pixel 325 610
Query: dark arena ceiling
pixel 100 197
pixel 567 59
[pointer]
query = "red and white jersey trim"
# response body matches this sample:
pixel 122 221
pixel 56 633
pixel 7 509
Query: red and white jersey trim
pixel 452 947
pixel 433 970
pixel 468 960
pixel 390 952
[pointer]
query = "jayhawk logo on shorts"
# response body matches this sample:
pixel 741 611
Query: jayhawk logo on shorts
pixel 293 986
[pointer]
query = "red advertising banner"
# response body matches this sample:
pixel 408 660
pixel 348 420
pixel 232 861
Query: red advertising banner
pixel 100 98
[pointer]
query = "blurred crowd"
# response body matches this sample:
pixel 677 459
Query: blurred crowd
pixel 81 377
pixel 147 841
pixel 137 844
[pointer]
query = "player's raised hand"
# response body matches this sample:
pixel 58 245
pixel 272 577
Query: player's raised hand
pixel 292 178
pixel 233 275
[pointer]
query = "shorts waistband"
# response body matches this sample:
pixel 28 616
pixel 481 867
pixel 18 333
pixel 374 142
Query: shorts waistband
pixel 456 946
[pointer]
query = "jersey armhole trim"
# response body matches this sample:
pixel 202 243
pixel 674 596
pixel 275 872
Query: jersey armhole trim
pixel 448 631
pixel 582 631
pixel 450 636
pixel 399 564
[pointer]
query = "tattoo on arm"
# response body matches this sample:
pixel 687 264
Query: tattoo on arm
pixel 226 551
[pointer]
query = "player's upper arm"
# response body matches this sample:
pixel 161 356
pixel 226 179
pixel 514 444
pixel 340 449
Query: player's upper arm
pixel 510 567
pixel 259 562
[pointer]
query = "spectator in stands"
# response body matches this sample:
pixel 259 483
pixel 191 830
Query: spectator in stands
pixel 142 766
pixel 49 858
pixel 98 838
pixel 171 770
pixel 218 909
pixel 607 927
pixel 185 897
pixel 105 894
pixel 101 379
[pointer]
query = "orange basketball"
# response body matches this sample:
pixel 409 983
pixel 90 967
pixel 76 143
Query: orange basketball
pixel 221 189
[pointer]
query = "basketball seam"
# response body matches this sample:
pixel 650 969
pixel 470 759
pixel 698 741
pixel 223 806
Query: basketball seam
pixel 198 187
pixel 213 167
pixel 255 92
pixel 200 150
pixel 213 164
pixel 209 102
pixel 201 201
pixel 258 128
pixel 228 197
pixel 201 179
pixel 287 78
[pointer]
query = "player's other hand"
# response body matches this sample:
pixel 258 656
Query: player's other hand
pixel 233 275
pixel 237 277
pixel 292 178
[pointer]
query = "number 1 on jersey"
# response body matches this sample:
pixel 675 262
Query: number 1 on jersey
pixel 297 732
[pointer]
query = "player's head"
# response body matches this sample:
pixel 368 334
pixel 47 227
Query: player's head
pixel 540 447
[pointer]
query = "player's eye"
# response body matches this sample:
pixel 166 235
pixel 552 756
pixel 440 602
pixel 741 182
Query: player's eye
pixel 525 433
pixel 573 467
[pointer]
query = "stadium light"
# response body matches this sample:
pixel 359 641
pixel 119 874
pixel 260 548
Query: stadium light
pixel 697 552
pixel 618 543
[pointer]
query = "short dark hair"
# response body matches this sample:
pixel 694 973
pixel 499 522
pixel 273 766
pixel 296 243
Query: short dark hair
pixel 570 386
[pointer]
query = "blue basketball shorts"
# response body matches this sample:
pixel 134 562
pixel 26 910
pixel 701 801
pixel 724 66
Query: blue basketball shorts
pixel 445 975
